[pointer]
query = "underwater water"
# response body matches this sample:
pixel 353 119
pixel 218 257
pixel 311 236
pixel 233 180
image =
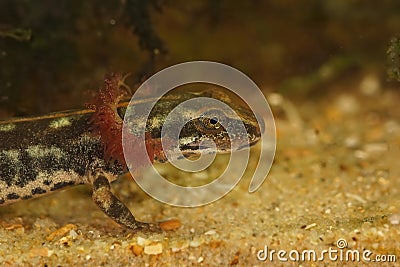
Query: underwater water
pixel 330 71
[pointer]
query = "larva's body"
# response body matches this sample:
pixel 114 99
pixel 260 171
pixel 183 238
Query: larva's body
pixel 42 154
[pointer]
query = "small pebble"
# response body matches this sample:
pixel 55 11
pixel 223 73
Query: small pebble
pixel 352 141
pixel 65 241
pixel 310 226
pixel 375 147
pixel 142 241
pixel 328 211
pixel 153 249
pixel 356 197
pixel 73 234
pixel 360 154
pixel 194 243
pixel 18 228
pixel 43 252
pixel 210 232
pixel 14 226
pixel 394 218
pixel 170 225
pixel 192 257
pixel 61 232
pixel 137 250
pixel 215 244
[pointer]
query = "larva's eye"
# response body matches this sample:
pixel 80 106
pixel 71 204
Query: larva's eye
pixel 210 121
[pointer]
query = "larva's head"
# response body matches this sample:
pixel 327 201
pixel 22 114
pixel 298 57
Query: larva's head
pixel 195 123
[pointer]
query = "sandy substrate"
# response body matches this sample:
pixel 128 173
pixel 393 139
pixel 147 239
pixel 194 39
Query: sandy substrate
pixel 335 177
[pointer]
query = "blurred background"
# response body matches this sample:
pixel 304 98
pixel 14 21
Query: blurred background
pixel 53 54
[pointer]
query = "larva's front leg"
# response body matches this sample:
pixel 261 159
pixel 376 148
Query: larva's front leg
pixel 114 208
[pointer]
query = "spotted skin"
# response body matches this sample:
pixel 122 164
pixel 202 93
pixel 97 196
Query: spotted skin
pixel 37 158
pixel 39 155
